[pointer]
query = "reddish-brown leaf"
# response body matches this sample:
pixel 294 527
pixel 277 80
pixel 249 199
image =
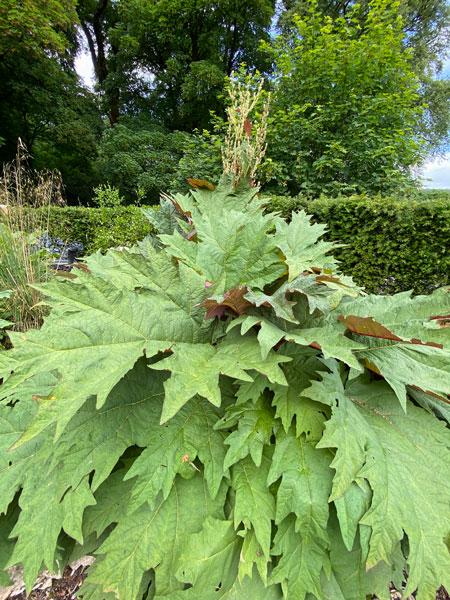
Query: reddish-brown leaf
pixel 233 299
pixel 368 326
pixel 200 183
pixel 443 398
pixel 442 320
pixel 330 279
pixel 178 208
pixel 372 367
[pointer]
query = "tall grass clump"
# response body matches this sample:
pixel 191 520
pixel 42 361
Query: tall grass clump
pixel 21 262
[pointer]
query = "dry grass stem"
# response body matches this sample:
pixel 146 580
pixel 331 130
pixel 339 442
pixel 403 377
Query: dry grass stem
pixel 20 227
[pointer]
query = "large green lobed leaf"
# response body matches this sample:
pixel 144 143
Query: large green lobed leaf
pixel 220 414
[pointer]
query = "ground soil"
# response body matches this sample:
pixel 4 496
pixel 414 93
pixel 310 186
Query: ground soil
pixel 441 594
pixel 66 588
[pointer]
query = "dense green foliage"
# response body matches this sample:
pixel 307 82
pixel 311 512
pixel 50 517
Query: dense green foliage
pixel 427 36
pixel 55 118
pixel 170 57
pixel 95 228
pixel 424 21
pixel 346 110
pixel 346 105
pixel 392 244
pixel 41 99
pixel 354 91
pixel 221 414
pixel 140 158
pixel 35 26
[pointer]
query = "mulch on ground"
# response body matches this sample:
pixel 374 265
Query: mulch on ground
pixel 67 586
pixel 64 588
pixel 441 594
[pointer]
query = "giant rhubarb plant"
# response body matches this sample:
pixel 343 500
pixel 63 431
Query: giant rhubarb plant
pixel 219 414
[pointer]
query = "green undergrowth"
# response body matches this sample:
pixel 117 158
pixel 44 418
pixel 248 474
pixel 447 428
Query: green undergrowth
pixel 219 413
pixel 98 229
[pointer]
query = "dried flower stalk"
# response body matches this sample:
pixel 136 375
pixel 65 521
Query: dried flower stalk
pixel 245 143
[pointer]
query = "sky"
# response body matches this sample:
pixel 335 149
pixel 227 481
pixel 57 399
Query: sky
pixel 85 69
pixel 438 169
pixel 435 172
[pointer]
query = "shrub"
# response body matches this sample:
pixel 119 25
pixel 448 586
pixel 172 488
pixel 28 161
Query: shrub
pixel 227 416
pixel 97 228
pixel 113 224
pixel 392 243
pixel 138 155
pixel 201 158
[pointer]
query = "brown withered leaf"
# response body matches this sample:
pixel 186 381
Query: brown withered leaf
pixel 368 326
pixel 442 320
pixel 200 183
pixel 233 299
pixel 178 208
pixel 437 396
pixel 65 274
pixel 323 278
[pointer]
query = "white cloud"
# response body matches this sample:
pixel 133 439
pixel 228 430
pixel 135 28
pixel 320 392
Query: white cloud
pixel 437 171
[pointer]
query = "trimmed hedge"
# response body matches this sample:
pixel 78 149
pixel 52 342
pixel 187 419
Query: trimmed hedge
pixel 392 244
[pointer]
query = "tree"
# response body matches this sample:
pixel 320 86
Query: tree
pixel 35 26
pixel 97 18
pixel 170 57
pixel 426 27
pixel 41 100
pixel 57 119
pixel 346 111
pixel 425 22
pixel 140 157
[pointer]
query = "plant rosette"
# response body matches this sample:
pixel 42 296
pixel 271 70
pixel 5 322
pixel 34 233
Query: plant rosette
pixel 219 413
